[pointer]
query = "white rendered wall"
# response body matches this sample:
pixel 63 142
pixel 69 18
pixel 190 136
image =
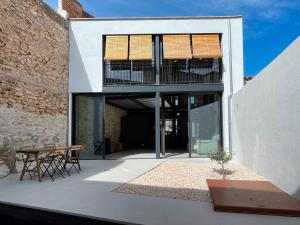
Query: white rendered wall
pixel 86 50
pixel 266 121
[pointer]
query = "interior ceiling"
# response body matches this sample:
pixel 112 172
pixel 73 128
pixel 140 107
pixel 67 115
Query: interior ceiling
pixel 126 103
pixel 134 103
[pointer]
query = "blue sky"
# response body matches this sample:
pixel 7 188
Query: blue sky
pixel 269 25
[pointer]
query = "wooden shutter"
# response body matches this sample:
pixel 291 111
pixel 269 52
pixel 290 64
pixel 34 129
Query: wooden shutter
pixel 206 46
pixel 116 48
pixel 177 47
pixel 140 47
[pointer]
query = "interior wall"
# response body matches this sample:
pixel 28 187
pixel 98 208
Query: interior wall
pixel 113 122
pixel 138 130
pixel 266 121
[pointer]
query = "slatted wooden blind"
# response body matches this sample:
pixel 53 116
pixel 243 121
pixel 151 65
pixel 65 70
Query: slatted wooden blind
pixel 177 47
pixel 116 48
pixel 206 46
pixel 140 47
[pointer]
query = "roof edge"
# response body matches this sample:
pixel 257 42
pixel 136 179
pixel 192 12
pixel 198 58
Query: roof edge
pixel 159 18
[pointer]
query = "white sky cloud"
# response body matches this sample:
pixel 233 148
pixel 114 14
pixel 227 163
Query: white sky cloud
pixel 258 9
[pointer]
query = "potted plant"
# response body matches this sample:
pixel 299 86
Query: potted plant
pixel 8 157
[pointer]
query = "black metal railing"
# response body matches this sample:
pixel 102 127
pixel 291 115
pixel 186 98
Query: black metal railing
pixel 171 72
pixel 129 72
pixel 191 71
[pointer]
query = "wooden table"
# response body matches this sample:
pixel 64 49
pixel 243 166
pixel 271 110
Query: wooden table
pixel 36 152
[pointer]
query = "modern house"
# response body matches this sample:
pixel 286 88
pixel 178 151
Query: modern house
pixel 158 85
pixel 162 87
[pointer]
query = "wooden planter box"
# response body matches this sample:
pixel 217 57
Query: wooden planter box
pixel 116 146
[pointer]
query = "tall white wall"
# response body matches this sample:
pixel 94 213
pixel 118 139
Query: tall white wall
pixel 266 121
pixel 86 53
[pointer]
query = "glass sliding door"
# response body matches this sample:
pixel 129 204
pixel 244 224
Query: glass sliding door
pixel 205 124
pixel 89 125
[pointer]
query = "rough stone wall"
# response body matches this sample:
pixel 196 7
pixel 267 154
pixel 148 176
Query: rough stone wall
pixel 113 122
pixel 33 74
pixel 75 9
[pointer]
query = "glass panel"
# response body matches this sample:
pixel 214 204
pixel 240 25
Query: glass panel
pixel 89 125
pixel 205 122
pixel 174 121
pixel 134 72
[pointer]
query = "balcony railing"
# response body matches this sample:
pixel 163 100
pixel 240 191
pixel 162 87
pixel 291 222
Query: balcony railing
pixel 191 71
pixel 129 72
pixel 171 72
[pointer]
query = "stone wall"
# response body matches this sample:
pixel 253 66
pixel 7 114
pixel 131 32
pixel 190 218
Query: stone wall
pixel 33 74
pixel 113 122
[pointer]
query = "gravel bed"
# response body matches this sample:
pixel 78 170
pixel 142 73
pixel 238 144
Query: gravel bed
pixel 184 180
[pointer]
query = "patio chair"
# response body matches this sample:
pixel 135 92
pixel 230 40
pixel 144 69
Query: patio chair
pixel 61 155
pixel 98 148
pixel 47 161
pixel 28 163
pixel 73 158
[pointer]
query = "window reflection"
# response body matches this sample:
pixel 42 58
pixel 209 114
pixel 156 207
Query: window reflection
pixel 205 121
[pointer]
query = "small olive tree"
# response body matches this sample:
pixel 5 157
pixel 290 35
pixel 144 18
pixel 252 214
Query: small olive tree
pixel 8 156
pixel 221 157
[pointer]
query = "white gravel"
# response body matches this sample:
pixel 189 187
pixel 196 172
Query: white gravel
pixel 184 180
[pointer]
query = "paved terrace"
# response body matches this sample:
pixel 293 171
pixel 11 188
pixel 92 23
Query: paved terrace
pixel 91 194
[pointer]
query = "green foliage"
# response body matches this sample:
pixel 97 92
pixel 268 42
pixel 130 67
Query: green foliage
pixel 221 157
pixel 8 156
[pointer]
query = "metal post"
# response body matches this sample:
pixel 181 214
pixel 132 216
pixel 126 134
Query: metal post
pixel 157 61
pixel 157 125
pixel 189 127
pixel 130 81
pixel 163 124
pixel 103 126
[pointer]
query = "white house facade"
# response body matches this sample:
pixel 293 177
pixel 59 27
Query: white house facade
pixel 174 76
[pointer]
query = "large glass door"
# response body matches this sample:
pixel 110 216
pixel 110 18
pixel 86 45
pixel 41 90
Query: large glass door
pixel 174 125
pixel 204 124
pixel 89 125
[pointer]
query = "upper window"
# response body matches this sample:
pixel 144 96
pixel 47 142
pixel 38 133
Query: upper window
pixel 132 47
pixel 184 58
pixel 177 47
pixel 116 48
pixel 140 47
pixel 206 46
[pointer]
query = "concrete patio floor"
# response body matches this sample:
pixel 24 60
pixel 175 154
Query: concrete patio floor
pixel 91 193
pixel 150 154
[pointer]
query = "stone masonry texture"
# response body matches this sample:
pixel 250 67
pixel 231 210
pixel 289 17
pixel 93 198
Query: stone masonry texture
pixel 33 74
pixel 113 117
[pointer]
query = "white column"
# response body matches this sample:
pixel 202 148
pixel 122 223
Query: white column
pixel 60 9
pixel 70 119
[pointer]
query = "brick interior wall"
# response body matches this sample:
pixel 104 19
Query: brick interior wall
pixel 113 122
pixel 33 74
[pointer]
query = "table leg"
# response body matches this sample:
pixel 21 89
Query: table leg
pixel 24 167
pixel 38 167
pixel 68 153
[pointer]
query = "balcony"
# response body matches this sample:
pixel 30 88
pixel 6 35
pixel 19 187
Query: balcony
pixel 129 72
pixel 171 72
pixel 191 71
